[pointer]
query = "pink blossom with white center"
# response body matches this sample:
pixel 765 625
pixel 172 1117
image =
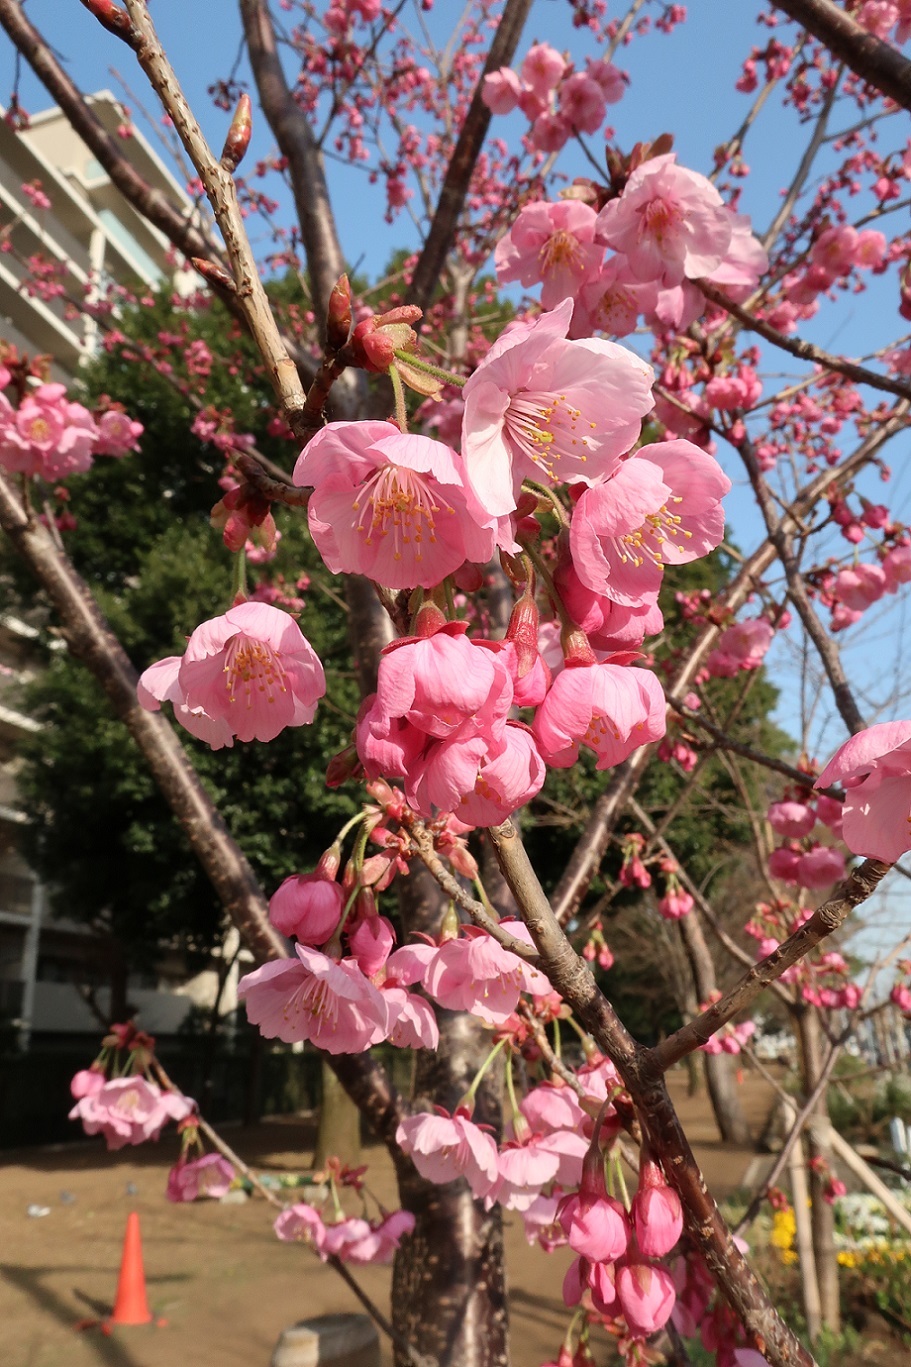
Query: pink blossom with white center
pixel 301 1224
pixel 312 997
pixel 661 507
pixel 742 646
pixel 554 244
pixel 611 709
pixel 209 1176
pixel 254 669
pixel 542 69
pixel 646 1295
pixel 412 1024
pixel 482 784
pixel 794 819
pixel 444 1148
pixel 501 90
pixel 444 685
pixel 538 406
pixel 129 1110
pixel 390 505
pixel 670 223
pixel 875 768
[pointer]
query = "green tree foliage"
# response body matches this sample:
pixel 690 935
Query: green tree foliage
pixel 100 833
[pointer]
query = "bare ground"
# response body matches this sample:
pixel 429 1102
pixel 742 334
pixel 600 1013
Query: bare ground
pixel 216 1272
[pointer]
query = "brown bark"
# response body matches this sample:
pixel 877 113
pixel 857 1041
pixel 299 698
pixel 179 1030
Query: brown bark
pixel 719 1068
pixel 339 1132
pixel 822 1215
pixel 877 62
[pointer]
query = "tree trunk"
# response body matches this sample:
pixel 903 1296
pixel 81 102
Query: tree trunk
pixel 719 1072
pixel 339 1132
pixel 449 1277
pixel 822 1214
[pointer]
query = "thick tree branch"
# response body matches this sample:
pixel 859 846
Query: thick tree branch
pixel 463 160
pixel 704 1222
pixel 806 351
pixel 869 57
pixel 860 884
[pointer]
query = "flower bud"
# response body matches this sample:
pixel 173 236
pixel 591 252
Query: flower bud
pixel 238 139
pixel 338 316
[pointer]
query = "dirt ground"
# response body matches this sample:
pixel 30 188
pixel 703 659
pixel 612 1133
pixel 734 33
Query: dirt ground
pixel 215 1271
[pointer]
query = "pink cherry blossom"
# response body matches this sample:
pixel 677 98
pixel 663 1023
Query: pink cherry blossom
pixel 582 103
pixel 674 905
pixel 474 973
pixel 390 505
pixel 301 1223
pixel 542 69
pixel 875 768
pixel 87 1082
pixel 661 507
pixel 538 406
pixel 117 434
pixel 308 906
pixel 210 1176
pixel 129 1110
pixel 820 867
pixel 609 626
pixel 480 783
pixel 444 1148
pixel 596 1226
pixel 312 997
pixel 670 223
pixel 646 1295
pixel 161 683
pixel 412 1024
pixel 551 243
pixel 443 685
pixel 612 709
pixel 656 1212
pixel 859 586
pixel 793 819
pixel 358 1241
pixel 614 301
pixel 524 1168
pixel 742 646
pixel 501 90
pixel 254 669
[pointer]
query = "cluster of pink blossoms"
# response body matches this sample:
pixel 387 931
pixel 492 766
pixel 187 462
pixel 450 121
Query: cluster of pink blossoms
pixel 668 228
pixel 802 861
pixel 557 100
pixel 49 437
pixel 127 1107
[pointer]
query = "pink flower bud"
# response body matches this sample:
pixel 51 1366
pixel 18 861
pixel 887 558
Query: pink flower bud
pixel 308 906
pixel 646 1295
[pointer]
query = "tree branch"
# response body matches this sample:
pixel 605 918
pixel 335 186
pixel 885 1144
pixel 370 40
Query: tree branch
pixel 805 351
pixel 869 57
pixel 464 158
pixel 856 888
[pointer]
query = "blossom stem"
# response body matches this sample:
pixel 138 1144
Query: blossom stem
pixel 485 899
pixel 398 389
pixel 544 573
pixel 517 1118
pixel 550 495
pixel 239 577
pixel 472 1090
pixel 430 369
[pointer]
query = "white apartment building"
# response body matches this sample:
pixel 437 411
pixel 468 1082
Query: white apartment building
pixel 90 228
pixel 93 230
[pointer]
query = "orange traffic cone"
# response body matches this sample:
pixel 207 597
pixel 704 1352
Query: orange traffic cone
pixel 131 1305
